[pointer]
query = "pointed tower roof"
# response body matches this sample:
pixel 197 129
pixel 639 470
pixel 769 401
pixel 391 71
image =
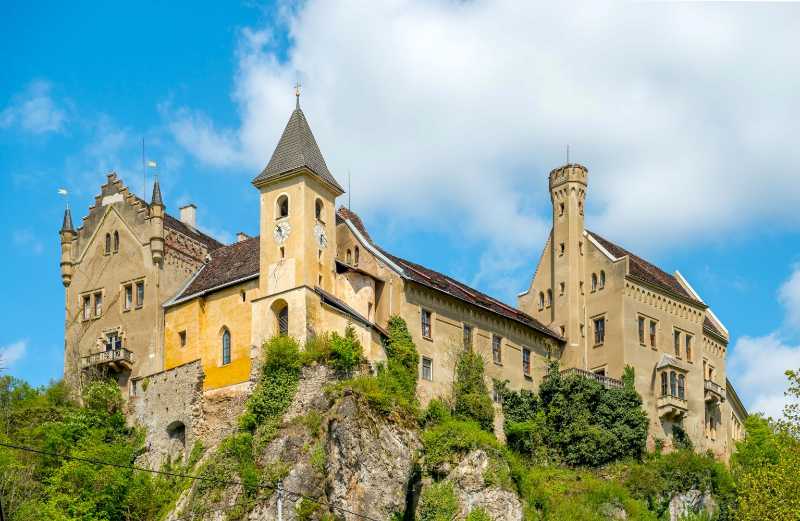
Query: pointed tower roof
pixel 156 199
pixel 66 225
pixel 296 149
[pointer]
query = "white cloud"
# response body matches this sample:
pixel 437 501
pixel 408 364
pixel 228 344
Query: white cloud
pixel 34 110
pixel 789 295
pixel 451 114
pixel 12 353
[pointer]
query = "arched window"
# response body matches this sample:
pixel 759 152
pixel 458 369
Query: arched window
pixel 681 387
pixel 226 346
pixel 349 257
pixel 560 209
pixel 318 209
pixel 673 384
pixel 549 297
pixel 108 243
pixel 594 281
pixel 281 310
pixel 116 242
pixel 355 257
pixel 664 384
pixel 283 206
pixel 541 300
pixel 602 279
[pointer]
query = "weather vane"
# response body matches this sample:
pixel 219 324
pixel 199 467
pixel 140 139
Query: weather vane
pixel 297 86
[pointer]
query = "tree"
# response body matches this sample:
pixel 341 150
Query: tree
pixel 471 400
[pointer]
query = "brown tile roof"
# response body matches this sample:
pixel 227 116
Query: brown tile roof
pixel 227 264
pixel 208 241
pixel 297 148
pixel 645 271
pixel 708 325
pixel 442 283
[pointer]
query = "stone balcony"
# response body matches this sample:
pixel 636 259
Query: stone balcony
pixel 714 392
pixel 117 360
pixel 671 406
pixel 605 381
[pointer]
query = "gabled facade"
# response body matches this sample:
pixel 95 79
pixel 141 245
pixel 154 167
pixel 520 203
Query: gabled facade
pixel 616 309
pixel 117 267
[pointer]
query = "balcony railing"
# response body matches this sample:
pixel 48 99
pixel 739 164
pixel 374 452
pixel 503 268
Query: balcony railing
pixel 669 405
pixel 714 391
pixel 605 381
pixel 117 359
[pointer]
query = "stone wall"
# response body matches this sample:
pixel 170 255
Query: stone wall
pixel 169 405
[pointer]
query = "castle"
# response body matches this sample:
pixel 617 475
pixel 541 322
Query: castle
pixel 178 318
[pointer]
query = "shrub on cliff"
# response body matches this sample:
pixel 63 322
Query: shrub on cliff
pixel 471 399
pixel 346 351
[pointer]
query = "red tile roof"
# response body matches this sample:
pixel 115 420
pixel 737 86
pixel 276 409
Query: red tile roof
pixel 645 271
pixel 227 264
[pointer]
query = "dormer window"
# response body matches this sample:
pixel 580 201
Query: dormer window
pixel 318 209
pixel 283 206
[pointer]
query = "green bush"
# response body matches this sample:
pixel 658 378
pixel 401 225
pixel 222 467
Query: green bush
pixel 450 441
pixel 436 413
pixel 438 502
pixel 478 514
pixel 102 396
pixel 471 400
pixel 345 351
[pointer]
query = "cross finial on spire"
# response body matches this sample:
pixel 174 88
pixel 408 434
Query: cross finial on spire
pixel 297 86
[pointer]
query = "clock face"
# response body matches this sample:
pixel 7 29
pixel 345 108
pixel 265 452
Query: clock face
pixel 281 232
pixel 319 233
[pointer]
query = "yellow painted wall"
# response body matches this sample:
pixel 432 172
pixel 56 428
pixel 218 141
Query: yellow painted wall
pixel 203 319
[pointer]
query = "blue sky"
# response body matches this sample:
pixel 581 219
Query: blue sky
pixel 448 115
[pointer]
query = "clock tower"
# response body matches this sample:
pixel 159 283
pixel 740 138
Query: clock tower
pixel 298 232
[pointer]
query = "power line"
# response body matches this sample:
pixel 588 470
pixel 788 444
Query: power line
pixel 267 486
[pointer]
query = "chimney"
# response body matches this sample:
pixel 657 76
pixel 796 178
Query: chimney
pixel 189 215
pixel 241 236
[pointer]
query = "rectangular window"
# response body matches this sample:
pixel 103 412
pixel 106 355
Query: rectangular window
pixel 497 394
pixel 652 333
pixel 113 341
pixel 526 361
pixel 87 307
pixel 140 294
pixel 467 337
pixel 182 338
pixel 664 384
pixel 497 354
pixel 127 301
pixel 426 324
pixel 599 330
pixel 677 340
pixel 98 304
pixel 427 368
pixel 689 348
pixel 641 330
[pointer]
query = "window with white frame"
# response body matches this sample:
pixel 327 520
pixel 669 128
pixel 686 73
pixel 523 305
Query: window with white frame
pixel 427 368
pixel 497 355
pixel 426 324
pixel 526 361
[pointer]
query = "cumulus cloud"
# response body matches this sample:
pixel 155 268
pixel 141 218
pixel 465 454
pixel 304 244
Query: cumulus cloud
pixel 12 353
pixel 789 295
pixel 34 110
pixel 461 108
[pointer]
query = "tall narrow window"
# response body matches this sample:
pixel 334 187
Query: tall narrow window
pixel 526 360
pixel 116 241
pixel 282 206
pixel 426 324
pixel 549 297
pixel 349 257
pixel 467 336
pixel 226 347
pixel 318 209
pixel 283 321
pixel 602 279
pixel 580 285
pixel 98 304
pixel 427 368
pixel 108 244
pixel 140 294
pixel 87 307
pixel 594 282
pixel 641 330
pixel 599 330
pixel 561 248
pixel 652 333
pixel 560 209
pixel 689 348
pixel 541 300
pixel 681 387
pixel 673 384
pixel 355 256
pixel 182 338
pixel 664 384
pixel 676 338
pixel 497 354
pixel 127 301
pixel 562 288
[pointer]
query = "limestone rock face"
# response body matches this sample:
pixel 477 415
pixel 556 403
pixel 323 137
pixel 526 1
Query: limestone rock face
pixel 470 484
pixel 691 502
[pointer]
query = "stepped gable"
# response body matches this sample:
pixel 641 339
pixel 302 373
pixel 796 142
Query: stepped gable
pixel 444 284
pixel 647 272
pixel 227 264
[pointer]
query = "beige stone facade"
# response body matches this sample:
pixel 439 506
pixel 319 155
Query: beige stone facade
pixel 616 309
